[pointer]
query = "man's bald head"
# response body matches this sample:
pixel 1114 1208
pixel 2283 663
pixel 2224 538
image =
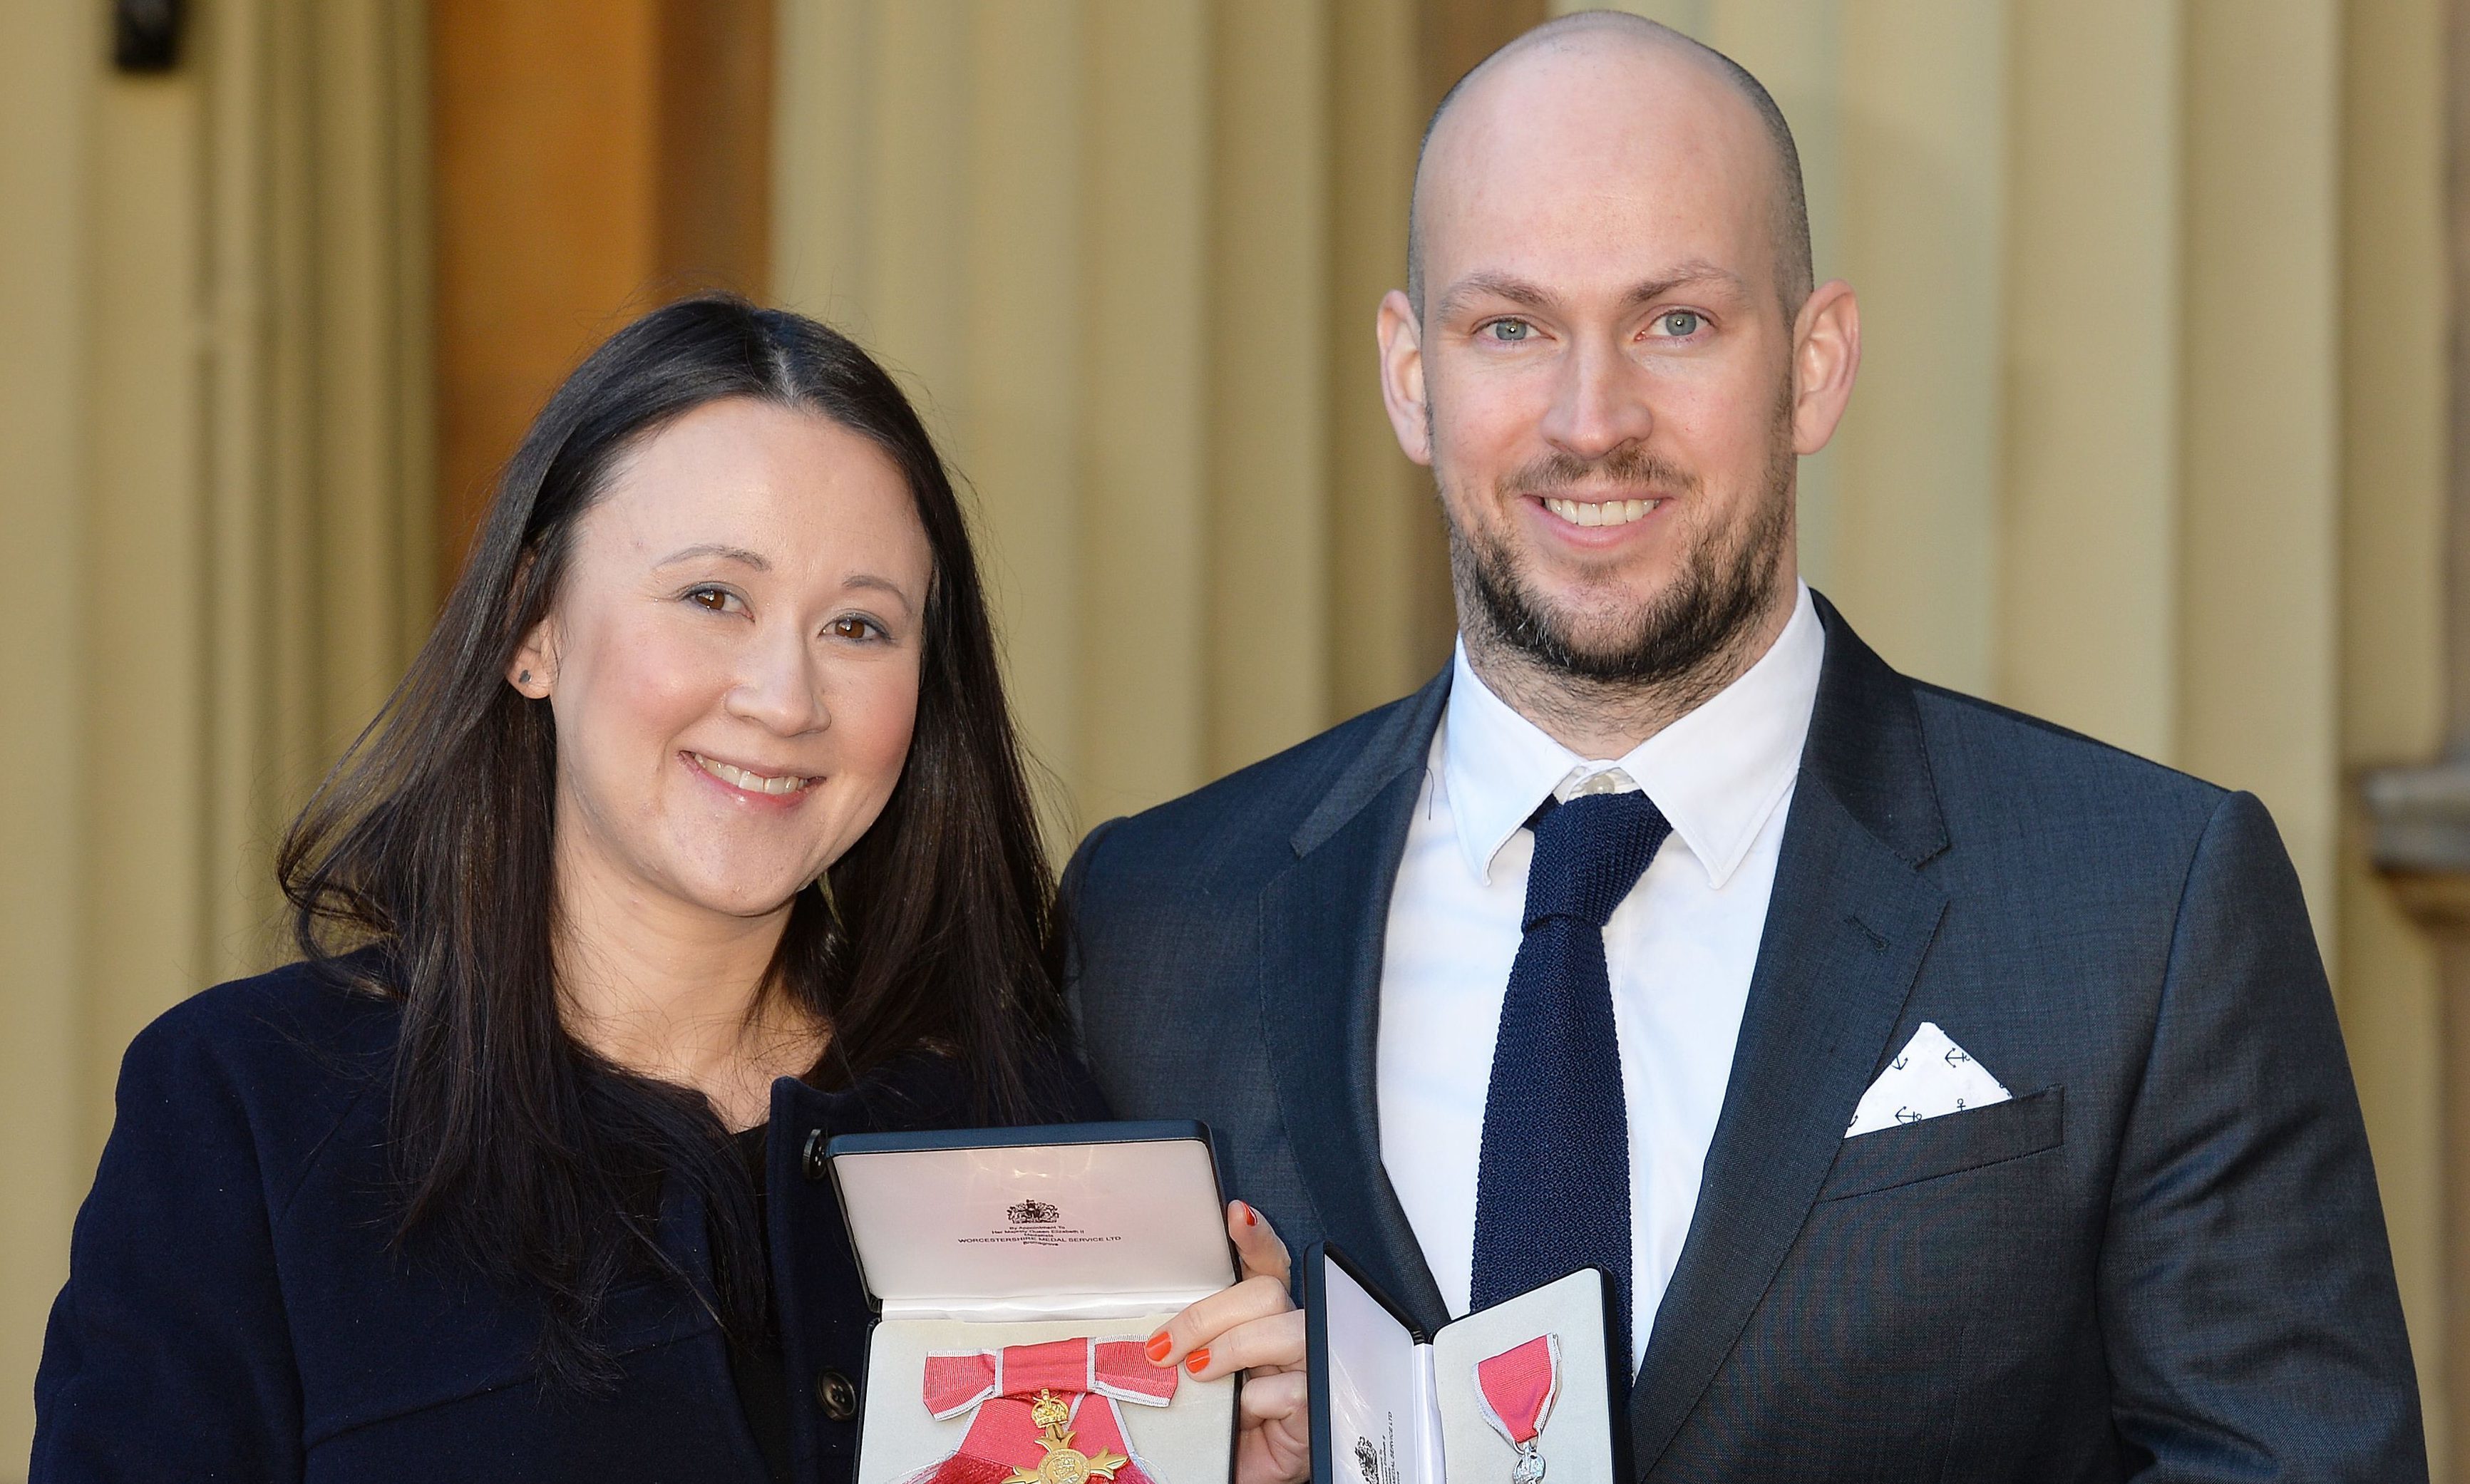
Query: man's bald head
pixel 1599 30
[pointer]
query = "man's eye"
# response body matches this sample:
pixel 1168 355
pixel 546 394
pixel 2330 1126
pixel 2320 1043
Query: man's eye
pixel 1681 324
pixel 1510 331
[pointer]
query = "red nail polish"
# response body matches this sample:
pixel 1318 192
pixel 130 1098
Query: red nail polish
pixel 1159 1348
pixel 1197 1362
pixel 1251 1217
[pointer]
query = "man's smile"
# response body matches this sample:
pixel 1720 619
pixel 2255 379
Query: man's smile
pixel 1609 511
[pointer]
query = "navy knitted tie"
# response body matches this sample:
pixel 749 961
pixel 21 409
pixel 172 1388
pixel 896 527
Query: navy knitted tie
pixel 1552 1183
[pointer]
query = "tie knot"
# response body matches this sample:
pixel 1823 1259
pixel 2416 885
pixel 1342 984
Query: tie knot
pixel 1589 853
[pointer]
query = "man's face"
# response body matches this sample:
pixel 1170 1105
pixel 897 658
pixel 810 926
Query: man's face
pixel 1603 375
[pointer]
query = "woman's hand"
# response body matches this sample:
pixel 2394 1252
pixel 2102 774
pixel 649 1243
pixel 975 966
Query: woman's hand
pixel 1255 1328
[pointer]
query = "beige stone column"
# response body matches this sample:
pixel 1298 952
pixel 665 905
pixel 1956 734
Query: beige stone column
pixel 213 475
pixel 2410 537
pixel 1391 613
pixel 2089 549
pixel 2259 615
pixel 1269 646
pixel 2395 385
pixel 47 150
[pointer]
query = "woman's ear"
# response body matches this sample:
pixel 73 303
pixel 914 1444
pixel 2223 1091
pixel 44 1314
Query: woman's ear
pixel 533 670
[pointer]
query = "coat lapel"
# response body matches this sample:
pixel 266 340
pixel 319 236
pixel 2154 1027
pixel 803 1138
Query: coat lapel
pixel 1323 921
pixel 1848 925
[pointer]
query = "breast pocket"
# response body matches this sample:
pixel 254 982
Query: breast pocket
pixel 1950 1144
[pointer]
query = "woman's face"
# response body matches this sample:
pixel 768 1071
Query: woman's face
pixel 731 661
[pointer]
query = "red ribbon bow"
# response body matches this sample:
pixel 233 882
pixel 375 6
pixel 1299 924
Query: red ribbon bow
pixel 1002 1384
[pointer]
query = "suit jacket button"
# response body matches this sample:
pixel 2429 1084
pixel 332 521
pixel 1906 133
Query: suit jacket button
pixel 814 1163
pixel 837 1394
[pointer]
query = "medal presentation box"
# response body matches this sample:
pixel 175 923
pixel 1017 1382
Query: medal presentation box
pixel 1017 1275
pixel 1519 1393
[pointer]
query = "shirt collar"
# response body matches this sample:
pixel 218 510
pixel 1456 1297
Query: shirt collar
pixel 1718 773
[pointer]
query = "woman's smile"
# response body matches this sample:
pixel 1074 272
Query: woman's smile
pixel 747 780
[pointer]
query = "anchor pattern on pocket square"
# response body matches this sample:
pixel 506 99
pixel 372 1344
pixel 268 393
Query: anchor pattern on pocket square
pixel 1930 1077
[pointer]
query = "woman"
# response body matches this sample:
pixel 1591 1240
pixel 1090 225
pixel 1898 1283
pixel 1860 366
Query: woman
pixel 696 834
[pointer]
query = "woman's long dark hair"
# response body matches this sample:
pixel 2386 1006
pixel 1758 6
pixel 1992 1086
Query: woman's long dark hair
pixel 430 842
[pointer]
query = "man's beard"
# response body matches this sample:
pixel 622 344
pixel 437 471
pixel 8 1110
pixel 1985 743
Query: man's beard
pixel 1722 591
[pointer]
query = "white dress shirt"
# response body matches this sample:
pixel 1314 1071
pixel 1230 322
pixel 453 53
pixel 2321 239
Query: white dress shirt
pixel 1680 947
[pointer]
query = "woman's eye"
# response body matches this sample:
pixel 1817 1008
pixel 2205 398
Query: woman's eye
pixel 852 628
pixel 716 599
pixel 1680 324
pixel 1510 331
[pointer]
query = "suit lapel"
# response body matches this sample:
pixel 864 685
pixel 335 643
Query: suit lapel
pixel 1323 921
pixel 1848 925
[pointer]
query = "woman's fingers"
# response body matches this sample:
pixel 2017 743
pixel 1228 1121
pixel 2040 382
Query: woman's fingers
pixel 1274 1343
pixel 1202 1321
pixel 1255 1327
pixel 1256 1242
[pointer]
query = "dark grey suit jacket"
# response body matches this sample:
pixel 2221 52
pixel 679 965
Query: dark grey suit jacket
pixel 2163 1259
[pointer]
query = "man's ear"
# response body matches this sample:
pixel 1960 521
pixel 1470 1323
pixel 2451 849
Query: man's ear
pixel 533 670
pixel 1402 377
pixel 1826 357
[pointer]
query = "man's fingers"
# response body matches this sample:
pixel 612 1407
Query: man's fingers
pixel 1282 1396
pixel 1276 1341
pixel 1204 1320
pixel 1273 1448
pixel 1256 1242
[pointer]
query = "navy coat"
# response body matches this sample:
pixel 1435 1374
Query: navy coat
pixel 2163 1259
pixel 236 1308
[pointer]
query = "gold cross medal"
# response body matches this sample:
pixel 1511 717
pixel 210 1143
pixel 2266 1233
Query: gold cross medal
pixel 1063 1463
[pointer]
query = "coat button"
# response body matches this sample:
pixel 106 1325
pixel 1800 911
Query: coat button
pixel 837 1394
pixel 815 1166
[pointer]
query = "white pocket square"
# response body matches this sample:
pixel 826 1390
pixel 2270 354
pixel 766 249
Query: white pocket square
pixel 1930 1076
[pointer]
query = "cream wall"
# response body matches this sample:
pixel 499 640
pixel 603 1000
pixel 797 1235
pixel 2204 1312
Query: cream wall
pixel 2149 433
pixel 213 486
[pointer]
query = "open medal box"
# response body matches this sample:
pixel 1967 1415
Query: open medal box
pixel 1518 1393
pixel 1017 1274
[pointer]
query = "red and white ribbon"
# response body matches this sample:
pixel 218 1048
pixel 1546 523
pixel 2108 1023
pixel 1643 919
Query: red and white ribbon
pixel 1517 1389
pixel 1001 1384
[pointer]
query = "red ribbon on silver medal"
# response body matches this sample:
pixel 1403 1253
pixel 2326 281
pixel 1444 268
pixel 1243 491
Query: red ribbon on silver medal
pixel 1517 1388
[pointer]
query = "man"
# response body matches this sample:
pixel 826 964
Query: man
pixel 1949 1097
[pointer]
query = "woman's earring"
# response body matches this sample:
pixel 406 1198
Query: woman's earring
pixel 523 679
